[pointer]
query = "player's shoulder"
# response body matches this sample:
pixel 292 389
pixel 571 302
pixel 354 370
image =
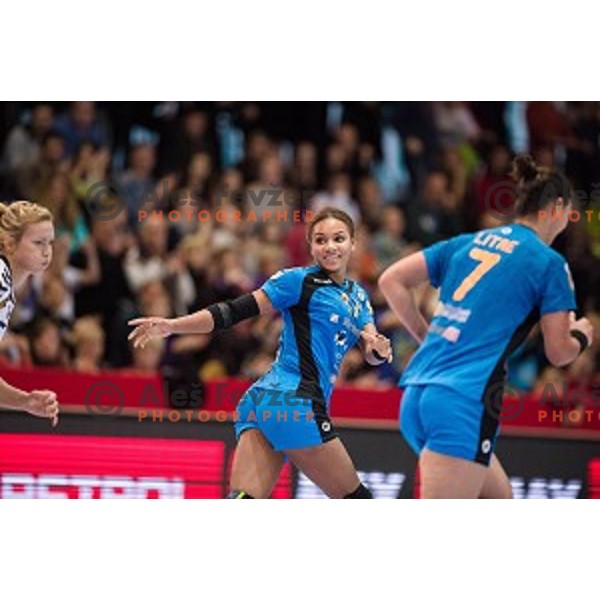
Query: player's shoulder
pixel 553 257
pixel 290 279
pixel 443 251
pixel 462 239
pixel 540 258
pixel 453 243
pixel 539 251
pixel 290 273
pixel 316 275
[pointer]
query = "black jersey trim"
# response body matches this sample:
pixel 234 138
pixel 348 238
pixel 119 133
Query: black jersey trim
pixel 494 390
pixel 309 386
pixel 323 422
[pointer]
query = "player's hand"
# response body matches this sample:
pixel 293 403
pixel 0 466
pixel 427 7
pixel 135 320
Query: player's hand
pixel 378 343
pixel 149 328
pixel 584 325
pixel 43 403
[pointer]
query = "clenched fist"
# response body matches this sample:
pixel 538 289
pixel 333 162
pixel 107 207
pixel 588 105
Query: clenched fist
pixel 43 403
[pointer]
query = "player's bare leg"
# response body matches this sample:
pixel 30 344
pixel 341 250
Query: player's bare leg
pixel 256 466
pixel 328 466
pixel 450 477
pixel 496 484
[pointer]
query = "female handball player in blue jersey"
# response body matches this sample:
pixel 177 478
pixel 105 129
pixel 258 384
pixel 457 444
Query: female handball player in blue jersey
pixel 494 286
pixel 26 237
pixel 285 413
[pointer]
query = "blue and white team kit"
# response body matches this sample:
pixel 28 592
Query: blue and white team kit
pixel 322 320
pixel 495 285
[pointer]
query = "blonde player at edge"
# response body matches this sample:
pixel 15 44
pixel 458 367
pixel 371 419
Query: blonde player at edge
pixel 26 238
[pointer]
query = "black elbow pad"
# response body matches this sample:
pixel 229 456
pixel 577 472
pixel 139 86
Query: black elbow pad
pixel 228 313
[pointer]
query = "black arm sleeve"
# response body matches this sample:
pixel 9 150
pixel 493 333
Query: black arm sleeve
pixel 228 313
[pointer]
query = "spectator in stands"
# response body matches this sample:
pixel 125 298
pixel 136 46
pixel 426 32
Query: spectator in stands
pixel 455 123
pixel 58 196
pixel 148 359
pixel 193 197
pixel 23 145
pixel 416 125
pixel 548 126
pixel 27 180
pixel 264 253
pixel 370 203
pixel 138 183
pixel 338 195
pixel 388 242
pixel 266 193
pixel 435 215
pixel 492 186
pixel 48 349
pixel 193 133
pixel 258 147
pixel 304 174
pixel 88 345
pixel 155 257
pixel 14 350
pixel 90 165
pixel 108 296
pixel 82 124
pixel 55 302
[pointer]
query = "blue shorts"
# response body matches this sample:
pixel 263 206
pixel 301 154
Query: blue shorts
pixel 286 421
pixel 440 419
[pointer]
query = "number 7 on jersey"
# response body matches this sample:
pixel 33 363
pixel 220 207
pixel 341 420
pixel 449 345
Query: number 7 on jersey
pixel 487 261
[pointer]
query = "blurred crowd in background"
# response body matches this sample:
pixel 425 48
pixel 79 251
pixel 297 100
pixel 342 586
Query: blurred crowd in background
pixel 409 173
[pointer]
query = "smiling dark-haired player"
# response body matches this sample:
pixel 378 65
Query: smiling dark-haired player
pixel 285 412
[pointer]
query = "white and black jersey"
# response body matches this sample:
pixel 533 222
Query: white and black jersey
pixel 7 295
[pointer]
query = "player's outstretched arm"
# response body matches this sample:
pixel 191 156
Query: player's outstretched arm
pixel 217 316
pixel 376 348
pixel 40 403
pixel 565 337
pixel 396 284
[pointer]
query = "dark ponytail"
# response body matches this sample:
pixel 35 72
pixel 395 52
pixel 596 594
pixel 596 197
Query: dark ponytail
pixel 538 187
pixel 524 168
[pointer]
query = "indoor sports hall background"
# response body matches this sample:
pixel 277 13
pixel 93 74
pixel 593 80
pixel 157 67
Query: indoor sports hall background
pixel 162 208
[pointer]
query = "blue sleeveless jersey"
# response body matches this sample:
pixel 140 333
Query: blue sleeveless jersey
pixel 321 322
pixel 494 286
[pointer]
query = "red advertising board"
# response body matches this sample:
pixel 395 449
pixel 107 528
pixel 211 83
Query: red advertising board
pixel 594 479
pixel 112 393
pixel 41 466
pixel 90 467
